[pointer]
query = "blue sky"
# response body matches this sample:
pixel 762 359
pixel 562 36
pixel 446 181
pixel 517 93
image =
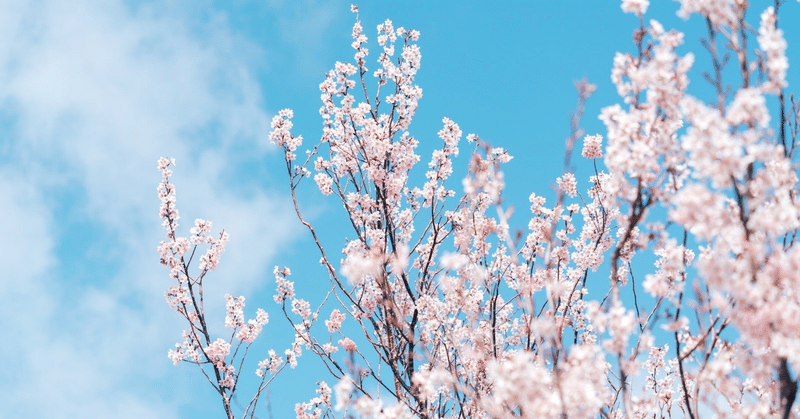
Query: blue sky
pixel 93 92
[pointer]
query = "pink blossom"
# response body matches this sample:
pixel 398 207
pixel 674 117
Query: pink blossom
pixel 250 331
pixel 285 288
pixel 771 41
pixel 235 315
pixel 592 146
pixel 200 231
pixel 568 184
pixel 748 107
pixel 720 12
pixel 301 307
pixel 217 351
pixel 334 323
pixel 211 259
pixel 324 183
pixel 347 344
pixel 637 7
pixel 270 364
pixel 342 389
pixel 281 133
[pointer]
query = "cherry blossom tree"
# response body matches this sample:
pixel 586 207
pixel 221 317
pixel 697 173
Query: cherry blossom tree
pixel 438 307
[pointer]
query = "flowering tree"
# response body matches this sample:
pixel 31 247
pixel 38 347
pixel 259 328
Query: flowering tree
pixel 453 314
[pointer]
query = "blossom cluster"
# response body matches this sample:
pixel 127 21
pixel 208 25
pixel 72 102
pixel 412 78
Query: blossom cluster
pixel 186 298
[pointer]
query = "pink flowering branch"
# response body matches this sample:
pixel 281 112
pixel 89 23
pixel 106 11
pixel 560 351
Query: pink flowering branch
pixel 222 356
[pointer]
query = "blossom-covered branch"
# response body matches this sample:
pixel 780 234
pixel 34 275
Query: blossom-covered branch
pixel 223 357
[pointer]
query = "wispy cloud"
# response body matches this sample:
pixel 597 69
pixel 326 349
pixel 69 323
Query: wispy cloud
pixel 91 94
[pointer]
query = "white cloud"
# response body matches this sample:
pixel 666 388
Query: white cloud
pixel 91 94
